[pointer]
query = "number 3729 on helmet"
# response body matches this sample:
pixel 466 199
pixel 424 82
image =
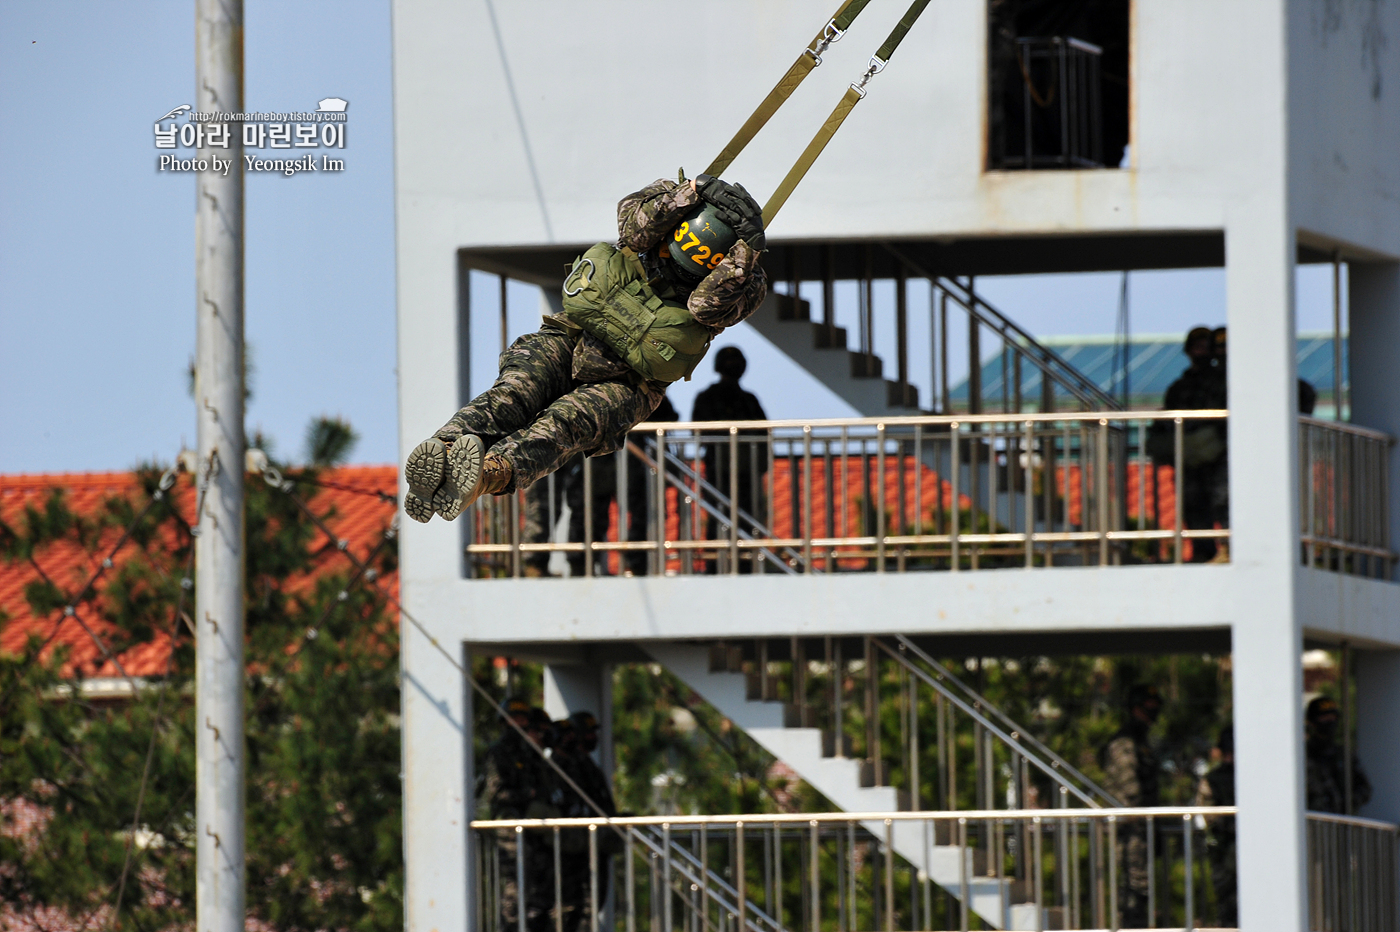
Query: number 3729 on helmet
pixel 701 242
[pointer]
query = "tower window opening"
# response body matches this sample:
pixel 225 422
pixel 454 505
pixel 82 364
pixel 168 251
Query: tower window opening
pixel 1058 84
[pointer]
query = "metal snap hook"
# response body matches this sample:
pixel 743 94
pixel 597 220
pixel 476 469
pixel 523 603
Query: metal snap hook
pixel 592 269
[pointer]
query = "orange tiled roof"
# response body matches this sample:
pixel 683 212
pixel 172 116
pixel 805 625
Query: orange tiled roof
pixel 360 515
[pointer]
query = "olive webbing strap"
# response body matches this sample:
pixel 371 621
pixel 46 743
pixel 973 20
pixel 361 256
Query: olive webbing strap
pixel 854 94
pixel 810 58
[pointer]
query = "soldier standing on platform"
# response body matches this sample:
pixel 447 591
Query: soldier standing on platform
pixel 1130 773
pixel 517 784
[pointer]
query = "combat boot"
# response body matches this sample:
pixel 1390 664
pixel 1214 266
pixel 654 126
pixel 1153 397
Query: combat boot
pixel 423 471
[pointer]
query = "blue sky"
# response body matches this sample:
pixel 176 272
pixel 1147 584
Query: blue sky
pixel 97 253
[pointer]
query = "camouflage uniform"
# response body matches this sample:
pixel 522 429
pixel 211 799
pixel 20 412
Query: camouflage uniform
pixel 516 784
pixel 580 767
pixel 1327 779
pixel 1130 773
pixel 1217 788
pixel 561 392
pixel 604 480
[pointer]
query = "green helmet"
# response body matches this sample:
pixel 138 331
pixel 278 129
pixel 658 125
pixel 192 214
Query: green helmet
pixel 701 242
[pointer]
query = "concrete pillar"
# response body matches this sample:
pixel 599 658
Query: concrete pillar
pixel 1374 311
pixel 1266 632
pixel 1378 730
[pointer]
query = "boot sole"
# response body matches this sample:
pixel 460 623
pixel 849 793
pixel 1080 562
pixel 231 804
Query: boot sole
pixel 417 508
pixel 461 480
pixel 425 468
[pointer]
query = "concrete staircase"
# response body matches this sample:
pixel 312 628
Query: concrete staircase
pixel 856 377
pixel 847 782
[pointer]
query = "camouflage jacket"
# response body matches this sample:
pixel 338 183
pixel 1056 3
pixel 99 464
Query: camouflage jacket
pixel 726 296
pixel 513 778
pixel 1327 780
pixel 1130 770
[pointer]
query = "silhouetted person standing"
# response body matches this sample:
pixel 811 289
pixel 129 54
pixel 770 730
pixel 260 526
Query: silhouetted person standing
pixel 727 401
pixel 1327 762
pixel 1217 788
pixel 1204 456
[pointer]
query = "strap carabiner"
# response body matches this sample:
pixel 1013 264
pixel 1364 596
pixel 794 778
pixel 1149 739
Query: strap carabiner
pixel 592 270
pixel 876 66
pixel 830 33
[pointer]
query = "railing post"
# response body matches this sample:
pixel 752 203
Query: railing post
pixel 1101 486
pixel 558 885
pixel 1113 874
pixel 588 511
pixel 521 898
pixel 1037 875
pixel 1028 494
pixel 815 883
pixel 661 508
pixel 880 498
pixel 740 878
pixel 1179 482
pixel 889 875
pixel 631 883
pixel 806 497
pixel 953 510
pixel 964 886
pixel 1186 830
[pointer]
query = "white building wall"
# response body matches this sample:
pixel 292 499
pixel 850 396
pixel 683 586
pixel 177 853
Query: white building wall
pixel 523 122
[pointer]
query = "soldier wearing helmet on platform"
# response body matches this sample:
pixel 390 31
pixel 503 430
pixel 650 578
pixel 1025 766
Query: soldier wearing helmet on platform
pixel 638 315
pixel 1326 759
pixel 516 783
pixel 1130 773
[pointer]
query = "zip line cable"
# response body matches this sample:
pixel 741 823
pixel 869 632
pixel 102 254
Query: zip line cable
pixel 810 58
pixel 854 95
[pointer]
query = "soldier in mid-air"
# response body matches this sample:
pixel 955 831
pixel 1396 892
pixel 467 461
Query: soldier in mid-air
pixel 638 315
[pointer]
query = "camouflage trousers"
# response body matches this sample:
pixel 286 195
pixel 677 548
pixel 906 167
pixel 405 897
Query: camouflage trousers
pixel 1133 877
pixel 539 884
pixel 538 416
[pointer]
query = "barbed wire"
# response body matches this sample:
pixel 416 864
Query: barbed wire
pixel 275 479
pixel 186 584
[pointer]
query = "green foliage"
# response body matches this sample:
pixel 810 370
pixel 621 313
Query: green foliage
pixel 329 441
pixel 324 798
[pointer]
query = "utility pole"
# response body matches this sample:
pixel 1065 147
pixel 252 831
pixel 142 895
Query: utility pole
pixel 219 551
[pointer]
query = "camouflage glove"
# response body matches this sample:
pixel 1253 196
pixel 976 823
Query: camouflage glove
pixel 736 207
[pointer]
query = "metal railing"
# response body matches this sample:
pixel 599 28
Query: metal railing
pixel 1344 498
pixel 871 495
pixel 843 685
pixel 1353 874
pixel 1166 867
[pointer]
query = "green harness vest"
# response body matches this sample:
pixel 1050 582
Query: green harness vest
pixel 607 294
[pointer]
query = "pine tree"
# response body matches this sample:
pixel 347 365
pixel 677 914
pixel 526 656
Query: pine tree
pixel 324 797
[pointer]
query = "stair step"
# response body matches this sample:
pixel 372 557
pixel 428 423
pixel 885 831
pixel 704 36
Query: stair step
pixel 792 309
pixel 907 398
pixel 799 716
pixel 866 366
pixel 824 337
pixel 759 689
pixel 874 773
pixel 726 659
pixel 829 744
